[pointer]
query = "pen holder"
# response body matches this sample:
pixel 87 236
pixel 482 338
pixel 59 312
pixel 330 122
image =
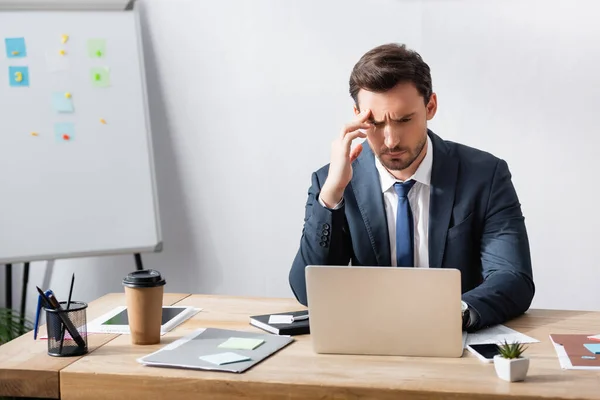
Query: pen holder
pixel 67 330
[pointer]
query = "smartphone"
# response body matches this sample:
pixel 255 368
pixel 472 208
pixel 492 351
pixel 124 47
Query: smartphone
pixel 485 352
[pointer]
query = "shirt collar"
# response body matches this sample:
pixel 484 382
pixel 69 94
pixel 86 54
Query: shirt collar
pixel 421 175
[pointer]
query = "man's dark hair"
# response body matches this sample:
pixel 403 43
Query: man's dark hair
pixel 383 67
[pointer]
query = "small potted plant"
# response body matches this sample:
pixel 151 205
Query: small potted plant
pixel 510 364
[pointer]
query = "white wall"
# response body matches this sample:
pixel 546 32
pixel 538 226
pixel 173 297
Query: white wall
pixel 247 95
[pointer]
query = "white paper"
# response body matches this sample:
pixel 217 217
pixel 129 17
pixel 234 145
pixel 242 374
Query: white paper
pixel 281 319
pixel 498 334
pixel 594 337
pixel 224 358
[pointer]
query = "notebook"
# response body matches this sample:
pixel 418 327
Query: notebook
pixel 217 350
pixel 573 353
pixel 291 329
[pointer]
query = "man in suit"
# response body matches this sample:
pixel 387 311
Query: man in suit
pixel 405 197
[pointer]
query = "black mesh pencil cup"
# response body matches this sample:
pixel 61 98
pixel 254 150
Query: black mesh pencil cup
pixel 67 330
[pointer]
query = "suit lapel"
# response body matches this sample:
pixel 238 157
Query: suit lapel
pixel 367 190
pixel 441 200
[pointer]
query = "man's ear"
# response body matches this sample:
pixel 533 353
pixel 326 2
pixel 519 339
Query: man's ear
pixel 431 106
pixel 356 110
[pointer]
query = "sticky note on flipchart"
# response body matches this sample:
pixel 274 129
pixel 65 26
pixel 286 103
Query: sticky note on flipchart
pixel 593 347
pixel 56 62
pixel 241 343
pixel 96 48
pixel 224 358
pixel 62 103
pixel 15 47
pixel 100 77
pixel 281 319
pixel 64 131
pixel 18 76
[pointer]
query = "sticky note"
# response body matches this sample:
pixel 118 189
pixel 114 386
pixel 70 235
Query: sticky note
pixel 64 39
pixel 15 47
pixel 64 131
pixel 34 134
pixel 18 76
pixel 56 62
pixel 594 348
pixel 62 52
pixel 281 319
pixel 62 103
pixel 96 48
pixel 241 343
pixel 100 77
pixel 224 358
pixel 68 95
pixel 102 121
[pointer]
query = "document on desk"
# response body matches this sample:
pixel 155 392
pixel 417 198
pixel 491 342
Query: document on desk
pixel 498 334
pixel 573 353
pixel 204 349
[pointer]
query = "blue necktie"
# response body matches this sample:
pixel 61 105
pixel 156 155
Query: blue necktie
pixel 404 226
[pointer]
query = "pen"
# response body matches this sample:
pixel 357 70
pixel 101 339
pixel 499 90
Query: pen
pixel 300 317
pixel 62 333
pixel 51 300
pixel 41 302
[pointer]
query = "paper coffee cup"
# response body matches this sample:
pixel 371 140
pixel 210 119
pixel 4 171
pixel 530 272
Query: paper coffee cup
pixel 144 294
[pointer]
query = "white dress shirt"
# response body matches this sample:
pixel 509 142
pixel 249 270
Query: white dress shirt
pixel 418 198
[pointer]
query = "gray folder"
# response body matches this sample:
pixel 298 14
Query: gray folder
pixel 186 352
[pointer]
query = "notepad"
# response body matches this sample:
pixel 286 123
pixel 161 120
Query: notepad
pixel 241 343
pixel 224 358
pixel 594 348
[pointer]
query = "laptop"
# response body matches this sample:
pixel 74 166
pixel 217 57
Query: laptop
pixel 385 310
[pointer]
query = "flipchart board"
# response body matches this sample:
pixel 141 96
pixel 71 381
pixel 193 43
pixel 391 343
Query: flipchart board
pixel 76 160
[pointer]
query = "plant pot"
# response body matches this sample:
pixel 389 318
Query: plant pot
pixel 512 370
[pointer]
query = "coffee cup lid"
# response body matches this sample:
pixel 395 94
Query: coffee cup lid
pixel 144 279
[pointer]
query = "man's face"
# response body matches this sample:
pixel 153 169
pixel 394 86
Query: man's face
pixel 399 118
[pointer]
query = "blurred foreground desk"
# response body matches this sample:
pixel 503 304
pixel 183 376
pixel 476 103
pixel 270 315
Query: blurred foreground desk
pixel 297 373
pixel 26 369
pixel 111 372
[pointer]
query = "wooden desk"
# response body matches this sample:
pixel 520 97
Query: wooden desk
pixel 297 373
pixel 26 369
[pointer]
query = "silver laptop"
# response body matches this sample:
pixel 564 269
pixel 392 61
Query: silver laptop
pixel 385 310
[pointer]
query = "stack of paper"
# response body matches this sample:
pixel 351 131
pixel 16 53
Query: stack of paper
pixel 497 335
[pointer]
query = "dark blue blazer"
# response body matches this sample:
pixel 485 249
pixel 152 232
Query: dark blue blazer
pixel 475 225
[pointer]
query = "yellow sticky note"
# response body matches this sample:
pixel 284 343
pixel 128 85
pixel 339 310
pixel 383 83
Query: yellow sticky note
pixel 65 38
pixel 102 121
pixel 15 53
pixel 62 52
pixel 18 76
pixel 68 95
pixel 34 134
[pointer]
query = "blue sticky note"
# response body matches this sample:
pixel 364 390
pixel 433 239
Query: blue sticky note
pixel 594 348
pixel 15 47
pixel 61 103
pixel 64 131
pixel 18 76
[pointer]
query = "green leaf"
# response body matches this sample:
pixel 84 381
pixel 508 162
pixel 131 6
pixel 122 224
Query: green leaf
pixel 12 325
pixel 511 350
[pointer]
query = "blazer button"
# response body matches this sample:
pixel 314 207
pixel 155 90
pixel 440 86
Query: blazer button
pixel 323 244
pixel 325 232
pixel 326 226
pixel 324 238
